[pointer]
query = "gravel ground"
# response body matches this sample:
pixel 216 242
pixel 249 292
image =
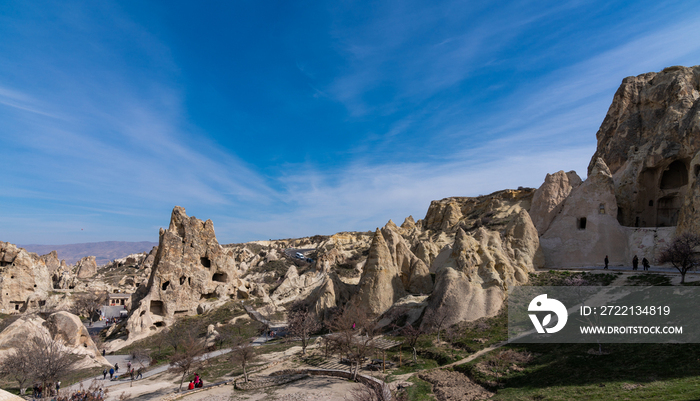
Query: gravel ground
pixel 454 386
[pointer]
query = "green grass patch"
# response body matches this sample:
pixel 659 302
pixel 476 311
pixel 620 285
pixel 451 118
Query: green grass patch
pixel 481 333
pixel 419 391
pixel 577 372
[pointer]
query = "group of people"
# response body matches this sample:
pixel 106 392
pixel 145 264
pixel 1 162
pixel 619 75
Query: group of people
pixel 138 374
pixel 51 390
pixel 196 383
pixel 635 263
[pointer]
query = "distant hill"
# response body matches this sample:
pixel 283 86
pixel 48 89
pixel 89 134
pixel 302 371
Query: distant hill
pixel 103 251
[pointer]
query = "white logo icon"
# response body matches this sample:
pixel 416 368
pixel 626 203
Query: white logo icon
pixel 542 304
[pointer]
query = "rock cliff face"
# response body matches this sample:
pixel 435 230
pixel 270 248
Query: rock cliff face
pixel 86 267
pixel 586 228
pixel 549 198
pixel 24 279
pixel 649 139
pixel 189 267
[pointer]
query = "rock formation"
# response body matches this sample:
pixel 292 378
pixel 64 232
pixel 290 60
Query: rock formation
pixel 332 292
pixel 549 198
pixel 412 270
pixel 86 267
pixel 586 228
pixel 24 279
pixel 60 326
pixel 648 139
pixel 190 267
pixel 380 285
pixel 474 275
pixel 642 185
pixel 52 262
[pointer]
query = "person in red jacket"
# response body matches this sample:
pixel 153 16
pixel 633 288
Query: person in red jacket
pixel 190 386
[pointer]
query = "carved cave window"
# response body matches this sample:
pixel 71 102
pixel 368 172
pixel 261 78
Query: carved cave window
pixel 219 277
pixel 205 262
pixel 581 223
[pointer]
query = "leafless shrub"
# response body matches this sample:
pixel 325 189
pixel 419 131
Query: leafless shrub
pixel 302 324
pixel 682 254
pixel 243 354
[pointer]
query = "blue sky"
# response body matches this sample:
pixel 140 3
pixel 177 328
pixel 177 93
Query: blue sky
pixel 287 119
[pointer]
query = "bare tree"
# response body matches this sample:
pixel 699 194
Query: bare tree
pixel 362 393
pixel 681 253
pixel 186 358
pixel 89 304
pixel 243 354
pixel 302 324
pixel 412 334
pixel 354 332
pixel 18 365
pixel 437 319
pixel 52 358
pixel 141 356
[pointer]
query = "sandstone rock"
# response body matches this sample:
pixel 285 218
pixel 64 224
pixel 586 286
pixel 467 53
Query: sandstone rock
pixel 586 228
pixel 688 219
pixel 51 261
pixel 339 248
pixel 472 282
pixel 330 293
pixel 86 267
pixel 380 285
pixel 24 279
pixel 426 251
pixel 648 138
pixel 190 266
pixel 212 336
pixel 413 271
pixel 60 326
pixel 443 215
pixel 68 328
pixel 295 286
pixel 522 246
pixel 64 278
pixel 549 198
pixel 150 258
pixel 408 223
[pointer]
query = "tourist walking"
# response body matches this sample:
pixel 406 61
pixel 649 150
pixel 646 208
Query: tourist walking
pixel 116 365
pixel 635 263
pixel 104 374
pixel 645 264
pixel 606 262
pixel 139 373
pixel 111 373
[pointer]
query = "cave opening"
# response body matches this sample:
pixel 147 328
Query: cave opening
pixel 675 176
pixel 205 262
pixel 157 308
pixel 219 277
